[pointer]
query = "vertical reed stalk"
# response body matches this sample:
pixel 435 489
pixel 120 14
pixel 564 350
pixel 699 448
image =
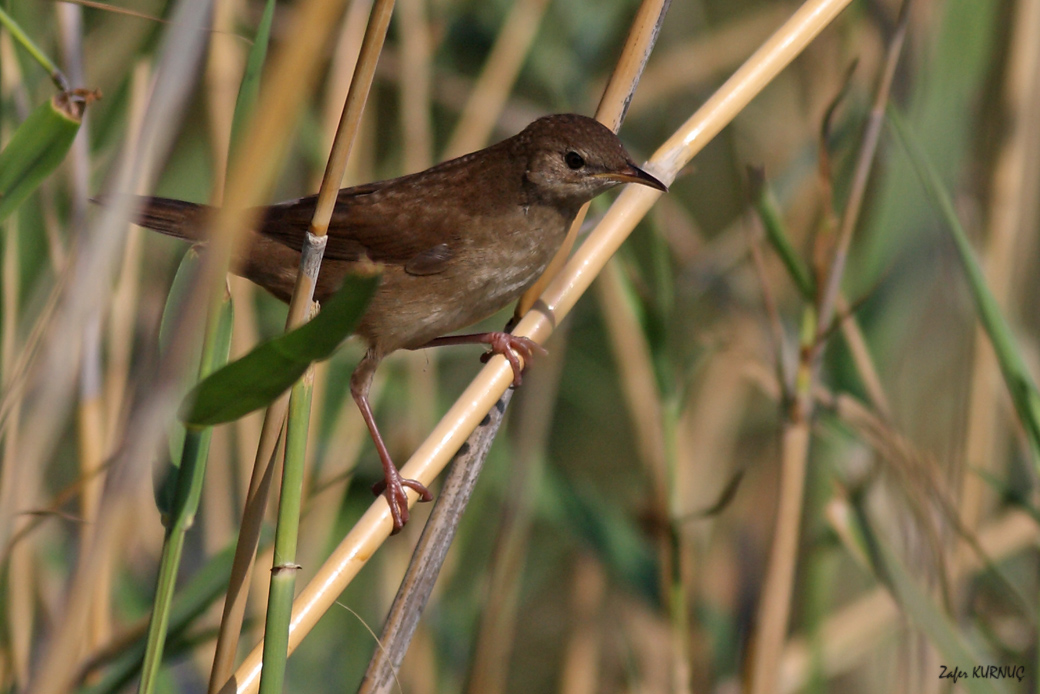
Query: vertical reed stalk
pixel 775 605
pixel 91 409
pixel 20 568
pixel 14 478
pixel 283 572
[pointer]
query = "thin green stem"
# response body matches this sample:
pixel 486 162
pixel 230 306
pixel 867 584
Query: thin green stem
pixel 32 49
pixel 768 210
pixel 284 569
pixel 190 475
pixel 198 593
pixel 249 89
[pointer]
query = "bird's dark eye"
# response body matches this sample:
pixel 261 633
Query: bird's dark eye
pixel 574 160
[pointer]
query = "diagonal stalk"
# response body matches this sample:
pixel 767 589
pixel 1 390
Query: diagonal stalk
pixel 35 51
pixel 429 554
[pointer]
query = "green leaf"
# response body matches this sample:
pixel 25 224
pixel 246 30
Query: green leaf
pixel 768 209
pixel 36 148
pixel 1019 381
pixel 920 608
pixel 250 86
pixel 200 365
pixel 187 271
pixel 255 380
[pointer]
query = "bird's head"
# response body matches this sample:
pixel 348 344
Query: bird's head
pixel 574 158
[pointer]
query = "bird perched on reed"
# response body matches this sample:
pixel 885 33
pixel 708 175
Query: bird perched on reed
pixel 457 242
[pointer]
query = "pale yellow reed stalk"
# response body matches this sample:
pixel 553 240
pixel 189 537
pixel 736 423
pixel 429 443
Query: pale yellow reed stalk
pixel 90 410
pixel 341 68
pixel 701 60
pixel 21 567
pixel 17 484
pixel 123 315
pixel 775 600
pixel 224 68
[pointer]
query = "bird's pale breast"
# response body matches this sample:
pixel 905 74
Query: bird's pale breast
pixel 489 270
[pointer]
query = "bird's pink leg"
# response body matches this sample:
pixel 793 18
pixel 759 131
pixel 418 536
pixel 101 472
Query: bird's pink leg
pixel 393 485
pixel 506 344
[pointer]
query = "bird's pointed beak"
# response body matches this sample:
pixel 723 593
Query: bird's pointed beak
pixel 633 174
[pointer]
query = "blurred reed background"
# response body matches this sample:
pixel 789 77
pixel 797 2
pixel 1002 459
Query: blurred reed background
pixel 625 535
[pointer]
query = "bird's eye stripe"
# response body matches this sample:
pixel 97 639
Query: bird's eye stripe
pixel 574 160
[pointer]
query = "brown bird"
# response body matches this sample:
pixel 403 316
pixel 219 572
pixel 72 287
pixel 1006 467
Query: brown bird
pixel 458 242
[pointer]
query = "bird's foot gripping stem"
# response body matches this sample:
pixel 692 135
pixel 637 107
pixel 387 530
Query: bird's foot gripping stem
pixel 393 488
pixel 511 346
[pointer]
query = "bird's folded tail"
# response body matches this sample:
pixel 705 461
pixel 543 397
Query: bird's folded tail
pixel 177 218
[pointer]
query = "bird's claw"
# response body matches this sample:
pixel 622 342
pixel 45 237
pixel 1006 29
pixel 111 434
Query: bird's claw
pixel 513 348
pixel 397 498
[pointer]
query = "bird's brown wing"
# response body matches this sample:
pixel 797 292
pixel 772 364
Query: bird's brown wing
pixel 378 221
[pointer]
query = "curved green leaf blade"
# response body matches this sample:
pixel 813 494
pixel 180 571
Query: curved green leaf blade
pixel 921 609
pixel 249 89
pixel 255 380
pixel 1019 381
pixel 187 272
